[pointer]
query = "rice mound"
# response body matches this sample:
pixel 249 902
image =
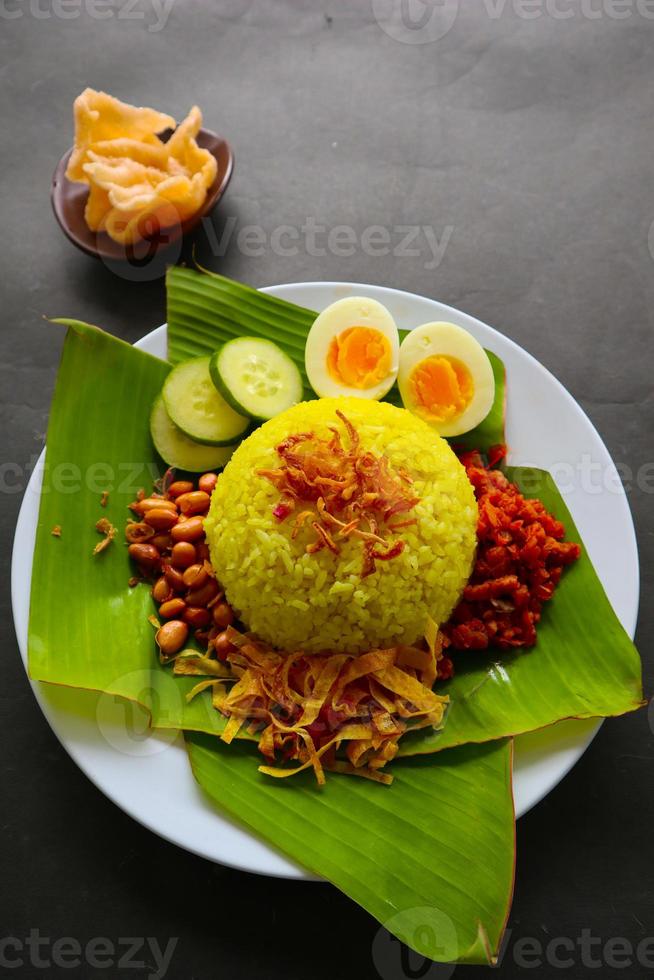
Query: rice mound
pixel 316 602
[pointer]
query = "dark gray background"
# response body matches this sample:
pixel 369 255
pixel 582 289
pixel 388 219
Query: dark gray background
pixel 530 137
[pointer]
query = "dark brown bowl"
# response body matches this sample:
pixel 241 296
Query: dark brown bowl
pixel 69 200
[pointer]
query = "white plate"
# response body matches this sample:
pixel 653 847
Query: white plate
pixel 148 775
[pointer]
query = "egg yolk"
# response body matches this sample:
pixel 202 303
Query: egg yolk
pixel 359 357
pixel 442 388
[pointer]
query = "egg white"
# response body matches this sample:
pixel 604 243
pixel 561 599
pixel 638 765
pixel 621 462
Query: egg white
pixel 354 311
pixel 446 339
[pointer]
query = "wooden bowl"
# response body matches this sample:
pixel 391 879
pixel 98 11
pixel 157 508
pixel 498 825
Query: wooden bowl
pixel 69 200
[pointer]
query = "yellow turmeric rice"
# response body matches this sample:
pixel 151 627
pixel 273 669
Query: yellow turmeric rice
pixel 356 570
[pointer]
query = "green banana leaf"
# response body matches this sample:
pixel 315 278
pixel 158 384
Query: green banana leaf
pixel 87 628
pixel 205 310
pixel 431 856
pixel 584 664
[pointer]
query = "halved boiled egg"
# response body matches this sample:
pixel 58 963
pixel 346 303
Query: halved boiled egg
pixel 352 349
pixel 445 378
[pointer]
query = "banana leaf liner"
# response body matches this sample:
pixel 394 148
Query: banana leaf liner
pixel 431 857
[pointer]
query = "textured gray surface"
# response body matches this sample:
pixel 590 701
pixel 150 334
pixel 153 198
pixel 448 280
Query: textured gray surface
pixel 527 144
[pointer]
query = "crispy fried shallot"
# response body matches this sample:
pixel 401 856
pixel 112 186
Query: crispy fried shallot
pixel 350 492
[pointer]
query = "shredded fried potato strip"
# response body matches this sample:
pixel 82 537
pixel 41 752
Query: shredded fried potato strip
pixel 326 712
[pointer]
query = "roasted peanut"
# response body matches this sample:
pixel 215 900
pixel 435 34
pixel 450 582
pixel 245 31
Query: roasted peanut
pixel 196 502
pixel 161 518
pixel 161 590
pixel 207 482
pixel 172 609
pixel 197 617
pixel 138 531
pixel 179 487
pixel 146 555
pixel 203 595
pixel 191 529
pixel 155 503
pixel 223 615
pixel 171 637
pixel 195 576
pixel 174 578
pixel 202 551
pixel 222 646
pixel 183 554
pixel 161 541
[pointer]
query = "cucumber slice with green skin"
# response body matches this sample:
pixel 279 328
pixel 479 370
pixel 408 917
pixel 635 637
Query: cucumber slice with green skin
pixel 197 407
pixel 256 377
pixel 178 450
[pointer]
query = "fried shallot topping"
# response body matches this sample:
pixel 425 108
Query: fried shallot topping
pixel 350 492
pixel 105 527
pixel 334 712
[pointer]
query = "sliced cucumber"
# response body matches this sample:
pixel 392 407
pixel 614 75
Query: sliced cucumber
pixel 197 408
pixel 256 377
pixel 178 450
